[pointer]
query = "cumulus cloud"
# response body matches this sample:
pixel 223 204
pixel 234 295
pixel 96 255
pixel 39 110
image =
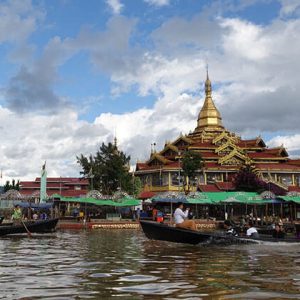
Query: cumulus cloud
pixel 58 139
pixel 136 131
pixel 110 49
pixel 115 5
pixel 28 91
pixel 253 68
pixel 32 88
pixel 18 19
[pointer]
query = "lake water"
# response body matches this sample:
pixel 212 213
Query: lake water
pixel 123 264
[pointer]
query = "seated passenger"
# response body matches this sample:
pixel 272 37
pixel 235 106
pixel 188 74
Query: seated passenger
pixel 278 232
pixel 229 229
pixel 181 218
pixel 251 230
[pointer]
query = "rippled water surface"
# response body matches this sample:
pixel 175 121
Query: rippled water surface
pixel 123 264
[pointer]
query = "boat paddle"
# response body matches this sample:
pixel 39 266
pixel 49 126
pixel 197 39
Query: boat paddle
pixel 28 232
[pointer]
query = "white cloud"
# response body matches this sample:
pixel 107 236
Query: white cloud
pixel 158 2
pixel 18 19
pixel 289 7
pixel 137 130
pixel 244 39
pixel 290 142
pixel 115 5
pixel 58 139
pixel 253 68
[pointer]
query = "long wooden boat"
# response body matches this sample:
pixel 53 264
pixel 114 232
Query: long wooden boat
pixel 159 231
pixel 40 226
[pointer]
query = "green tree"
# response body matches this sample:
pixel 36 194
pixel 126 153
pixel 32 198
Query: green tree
pixel 137 186
pixel 191 163
pixel 107 170
pixel 11 186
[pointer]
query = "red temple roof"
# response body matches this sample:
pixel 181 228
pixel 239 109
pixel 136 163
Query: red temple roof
pixel 226 186
pixel 146 195
pixel 209 188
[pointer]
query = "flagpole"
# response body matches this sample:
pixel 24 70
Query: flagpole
pixel 43 184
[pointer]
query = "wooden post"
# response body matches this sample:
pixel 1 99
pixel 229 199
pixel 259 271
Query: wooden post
pixel 255 214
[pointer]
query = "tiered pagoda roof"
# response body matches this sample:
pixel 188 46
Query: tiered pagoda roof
pixel 220 149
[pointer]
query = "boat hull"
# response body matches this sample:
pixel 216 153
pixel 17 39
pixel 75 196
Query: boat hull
pixel 163 232
pixel 41 226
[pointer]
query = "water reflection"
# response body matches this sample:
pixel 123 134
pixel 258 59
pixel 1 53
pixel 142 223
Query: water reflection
pixel 123 263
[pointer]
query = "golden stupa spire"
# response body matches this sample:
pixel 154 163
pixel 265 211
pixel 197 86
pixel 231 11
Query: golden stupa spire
pixel 209 116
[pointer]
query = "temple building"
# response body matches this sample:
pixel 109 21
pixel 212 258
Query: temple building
pixel 64 186
pixel 223 153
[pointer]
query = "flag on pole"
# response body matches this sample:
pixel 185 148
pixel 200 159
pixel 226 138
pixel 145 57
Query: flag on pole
pixel 43 185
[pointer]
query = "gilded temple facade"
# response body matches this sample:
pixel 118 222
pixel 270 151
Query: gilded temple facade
pixel 223 154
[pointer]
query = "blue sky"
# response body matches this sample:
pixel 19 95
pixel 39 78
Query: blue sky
pixel 74 74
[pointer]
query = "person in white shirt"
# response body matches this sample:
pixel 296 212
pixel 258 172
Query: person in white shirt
pixel 251 231
pixel 181 218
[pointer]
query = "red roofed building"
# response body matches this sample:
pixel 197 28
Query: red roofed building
pixel 223 153
pixel 64 186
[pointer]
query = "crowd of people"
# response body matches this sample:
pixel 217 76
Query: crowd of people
pixel 28 213
pixel 182 218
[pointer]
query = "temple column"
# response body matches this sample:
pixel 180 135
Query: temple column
pixel 169 181
pixel 293 179
pixel 205 178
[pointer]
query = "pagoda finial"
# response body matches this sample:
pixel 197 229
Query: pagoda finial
pixel 115 142
pixel 209 116
pixel 207 83
pixel 207 71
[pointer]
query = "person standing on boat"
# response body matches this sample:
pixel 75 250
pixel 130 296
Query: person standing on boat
pixel 17 214
pixel 154 213
pixel 181 218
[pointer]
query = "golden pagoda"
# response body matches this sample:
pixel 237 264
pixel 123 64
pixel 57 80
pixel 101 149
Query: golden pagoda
pixel 223 153
pixel 209 117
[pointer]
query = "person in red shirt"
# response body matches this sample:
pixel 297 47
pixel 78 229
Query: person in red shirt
pixel 154 213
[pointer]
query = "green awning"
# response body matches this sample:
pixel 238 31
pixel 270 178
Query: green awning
pixel 125 201
pixel 202 198
pixel 228 197
pixel 199 201
pixel 295 199
pixel 55 196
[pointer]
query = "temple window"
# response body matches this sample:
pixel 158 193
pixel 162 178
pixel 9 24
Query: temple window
pixel 297 179
pixel 285 179
pixel 145 179
pixel 165 179
pixel 170 153
pixel 213 177
pixel 193 181
pixel 156 180
pixel 176 179
pixel 200 179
